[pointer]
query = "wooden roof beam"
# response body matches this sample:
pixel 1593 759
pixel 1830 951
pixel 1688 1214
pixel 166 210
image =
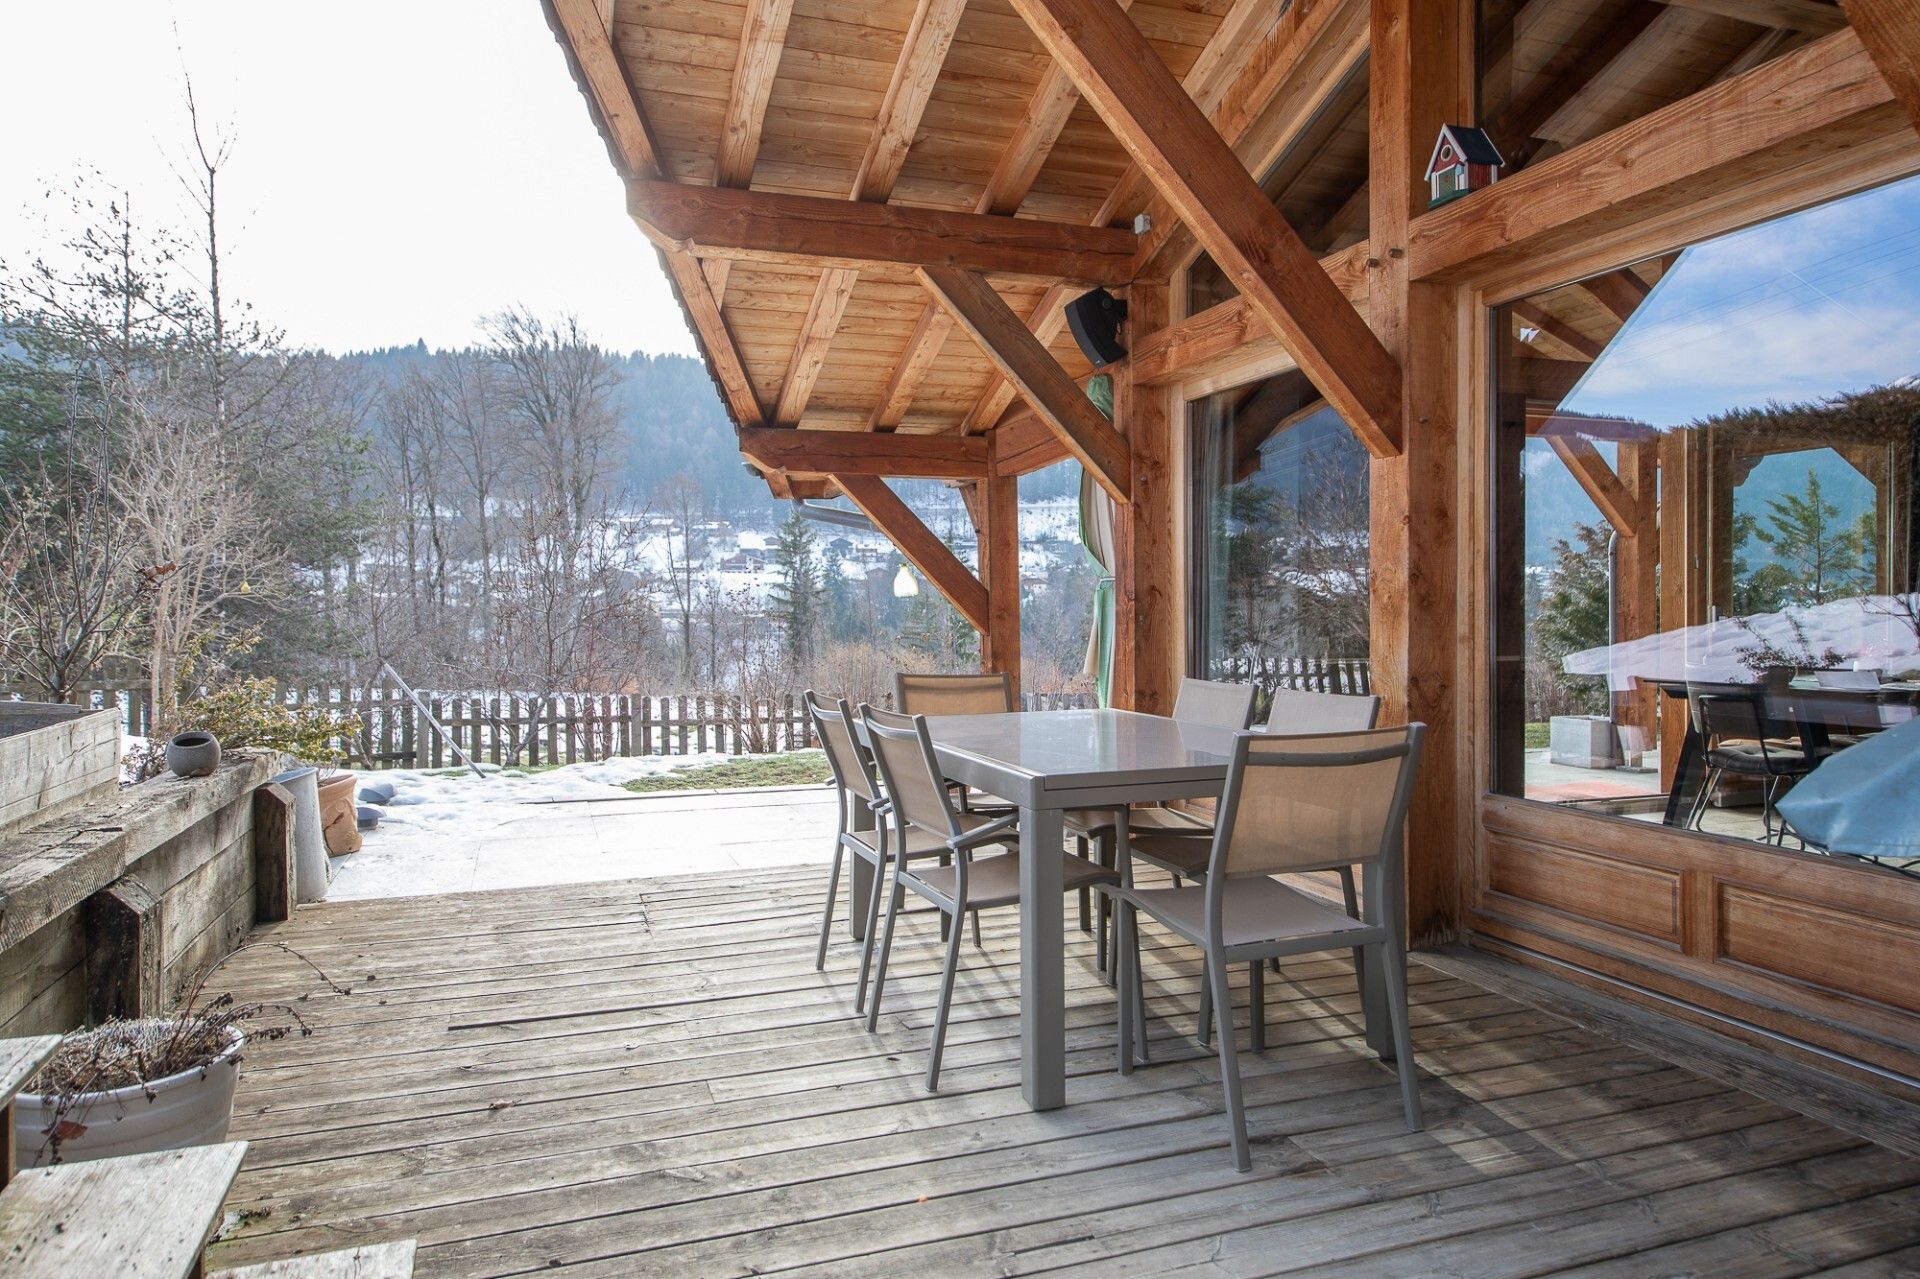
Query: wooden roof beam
pixel 766 226
pixel 1890 30
pixel 922 53
pixel 1811 16
pixel 1302 59
pixel 1234 66
pixel 1820 99
pixel 941 457
pixel 1203 180
pixel 1599 481
pixel 582 29
pixel 1056 397
pixel 917 542
pixel 1048 110
pixel 762 40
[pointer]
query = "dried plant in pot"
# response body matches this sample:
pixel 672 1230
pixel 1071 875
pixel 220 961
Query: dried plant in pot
pixel 157 1083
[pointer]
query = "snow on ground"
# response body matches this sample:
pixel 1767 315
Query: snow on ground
pixel 448 832
pixel 443 799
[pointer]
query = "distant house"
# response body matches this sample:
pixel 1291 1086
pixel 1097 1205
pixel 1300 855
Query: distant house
pixel 747 561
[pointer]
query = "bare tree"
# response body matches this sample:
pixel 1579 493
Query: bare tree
pixel 682 499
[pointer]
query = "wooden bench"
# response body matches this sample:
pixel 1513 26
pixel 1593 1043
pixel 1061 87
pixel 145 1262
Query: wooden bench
pixel 370 1261
pixel 135 1217
pixel 19 1059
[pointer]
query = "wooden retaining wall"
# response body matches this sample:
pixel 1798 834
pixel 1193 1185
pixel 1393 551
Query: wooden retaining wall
pixel 108 910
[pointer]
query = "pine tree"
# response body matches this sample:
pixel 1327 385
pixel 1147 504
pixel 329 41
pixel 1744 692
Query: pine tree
pixel 796 604
pixel 1821 559
pixel 1573 611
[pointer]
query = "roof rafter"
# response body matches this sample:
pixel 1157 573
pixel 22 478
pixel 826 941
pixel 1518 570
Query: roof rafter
pixel 1203 180
pixel 582 29
pixel 1219 77
pixel 1048 110
pixel 915 72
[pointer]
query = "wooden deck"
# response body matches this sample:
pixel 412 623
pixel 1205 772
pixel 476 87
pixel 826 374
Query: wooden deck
pixel 650 1078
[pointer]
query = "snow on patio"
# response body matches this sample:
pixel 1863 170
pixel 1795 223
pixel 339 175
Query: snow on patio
pixel 450 831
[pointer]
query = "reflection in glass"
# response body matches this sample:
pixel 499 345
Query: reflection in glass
pixel 1279 585
pixel 1706 552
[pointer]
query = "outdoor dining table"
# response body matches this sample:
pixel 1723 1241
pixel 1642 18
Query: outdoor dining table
pixel 1046 763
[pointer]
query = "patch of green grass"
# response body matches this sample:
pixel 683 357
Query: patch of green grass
pixel 1539 736
pixel 796 768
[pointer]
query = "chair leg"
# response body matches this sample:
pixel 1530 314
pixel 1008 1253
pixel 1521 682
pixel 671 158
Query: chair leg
pixel 1206 1006
pixel 1229 1061
pixel 873 931
pixel 1394 963
pixel 946 921
pixel 1350 898
pixel 1704 799
pixel 886 949
pixel 1086 894
pixel 1140 1053
pixel 946 1002
pixel 833 891
pixel 1128 980
pixel 1257 1004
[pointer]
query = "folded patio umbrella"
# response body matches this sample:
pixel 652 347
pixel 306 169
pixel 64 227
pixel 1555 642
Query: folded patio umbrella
pixel 1870 630
pixel 1861 800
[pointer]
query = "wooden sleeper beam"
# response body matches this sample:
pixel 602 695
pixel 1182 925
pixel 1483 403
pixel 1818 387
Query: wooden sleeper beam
pixel 1056 397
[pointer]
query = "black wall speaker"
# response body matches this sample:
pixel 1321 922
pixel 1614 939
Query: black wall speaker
pixel 1095 320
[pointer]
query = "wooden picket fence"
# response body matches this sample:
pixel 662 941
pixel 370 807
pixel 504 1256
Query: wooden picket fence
pixel 1312 674
pixel 500 728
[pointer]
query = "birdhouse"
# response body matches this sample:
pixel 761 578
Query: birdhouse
pixel 1463 160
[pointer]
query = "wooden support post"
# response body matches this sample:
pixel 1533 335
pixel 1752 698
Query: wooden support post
pixel 1890 29
pixel 1000 568
pixel 1147 610
pixel 123 926
pixel 1636 576
pixel 1421 55
pixel 273 819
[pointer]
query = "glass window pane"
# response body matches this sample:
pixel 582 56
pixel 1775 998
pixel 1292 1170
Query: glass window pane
pixel 1279 564
pixel 1705 548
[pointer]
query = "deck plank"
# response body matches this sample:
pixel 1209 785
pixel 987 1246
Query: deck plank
pixel 652 1077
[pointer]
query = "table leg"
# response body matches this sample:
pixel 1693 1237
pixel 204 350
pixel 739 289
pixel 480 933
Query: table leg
pixel 1043 1000
pixel 860 885
pixel 1687 776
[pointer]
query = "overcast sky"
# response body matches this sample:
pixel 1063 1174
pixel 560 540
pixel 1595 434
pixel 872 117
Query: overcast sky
pixel 400 167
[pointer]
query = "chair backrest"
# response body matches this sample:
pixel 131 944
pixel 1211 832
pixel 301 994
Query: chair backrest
pixel 852 766
pixel 1299 803
pixel 1296 712
pixel 990 693
pixel 910 771
pixel 1724 710
pixel 1210 702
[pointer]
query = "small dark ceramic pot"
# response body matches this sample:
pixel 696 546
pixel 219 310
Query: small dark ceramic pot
pixel 194 754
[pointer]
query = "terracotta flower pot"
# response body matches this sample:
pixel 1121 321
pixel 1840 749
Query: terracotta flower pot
pixel 338 821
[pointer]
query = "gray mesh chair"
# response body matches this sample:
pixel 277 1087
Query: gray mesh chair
pixel 1199 701
pixel 921 803
pixel 853 776
pixel 988 693
pixel 1291 712
pixel 1291 804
